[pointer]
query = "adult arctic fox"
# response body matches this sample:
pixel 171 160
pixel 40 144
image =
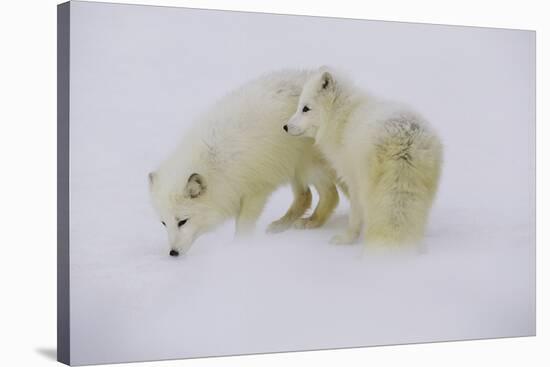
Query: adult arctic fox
pixel 386 154
pixel 234 157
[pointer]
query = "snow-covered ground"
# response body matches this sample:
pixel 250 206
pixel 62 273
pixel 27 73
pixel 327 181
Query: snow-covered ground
pixel 140 75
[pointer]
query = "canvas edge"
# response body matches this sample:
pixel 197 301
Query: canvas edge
pixel 63 214
pixel 294 14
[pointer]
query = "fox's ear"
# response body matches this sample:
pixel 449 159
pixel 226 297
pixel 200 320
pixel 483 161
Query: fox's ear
pixel 196 186
pixel 327 81
pixel 151 179
pixel 323 69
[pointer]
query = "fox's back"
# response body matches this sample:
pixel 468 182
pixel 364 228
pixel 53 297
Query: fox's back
pixel 244 129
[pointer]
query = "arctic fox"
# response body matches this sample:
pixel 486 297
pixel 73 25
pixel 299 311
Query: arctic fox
pixel 387 155
pixel 234 157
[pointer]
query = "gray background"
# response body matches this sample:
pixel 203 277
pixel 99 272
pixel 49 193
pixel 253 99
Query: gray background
pixel 139 75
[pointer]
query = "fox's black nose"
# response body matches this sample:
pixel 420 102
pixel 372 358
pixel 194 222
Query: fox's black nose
pixel 174 253
pixel 285 128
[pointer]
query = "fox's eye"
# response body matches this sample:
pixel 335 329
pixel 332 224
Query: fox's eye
pixel 305 109
pixel 182 222
pixel 164 224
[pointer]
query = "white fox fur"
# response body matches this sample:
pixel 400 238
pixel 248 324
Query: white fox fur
pixel 234 157
pixel 387 155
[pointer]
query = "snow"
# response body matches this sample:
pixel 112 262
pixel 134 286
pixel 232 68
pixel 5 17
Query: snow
pixel 139 75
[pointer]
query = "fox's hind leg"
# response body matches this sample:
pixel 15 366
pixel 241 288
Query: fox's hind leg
pixel 323 179
pixel 328 201
pixel 301 203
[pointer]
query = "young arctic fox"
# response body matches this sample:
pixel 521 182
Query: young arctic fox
pixel 234 158
pixel 387 155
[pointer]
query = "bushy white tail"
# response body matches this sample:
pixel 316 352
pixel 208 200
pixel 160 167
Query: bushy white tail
pixel 402 182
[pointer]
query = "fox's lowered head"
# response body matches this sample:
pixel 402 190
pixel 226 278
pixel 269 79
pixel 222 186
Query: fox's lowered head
pixel 314 105
pixel 183 207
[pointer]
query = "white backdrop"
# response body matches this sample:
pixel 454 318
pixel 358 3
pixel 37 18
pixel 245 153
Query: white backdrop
pixel 139 75
pixel 35 307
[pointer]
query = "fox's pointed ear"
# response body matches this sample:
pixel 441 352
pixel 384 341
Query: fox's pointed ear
pixel 327 81
pixel 323 69
pixel 151 179
pixel 196 186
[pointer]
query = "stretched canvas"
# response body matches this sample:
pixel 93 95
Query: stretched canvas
pixel 236 183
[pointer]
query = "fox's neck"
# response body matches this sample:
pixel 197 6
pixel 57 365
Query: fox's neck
pixel 335 119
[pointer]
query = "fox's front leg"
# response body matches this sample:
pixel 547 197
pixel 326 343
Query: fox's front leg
pixel 355 221
pixel 251 208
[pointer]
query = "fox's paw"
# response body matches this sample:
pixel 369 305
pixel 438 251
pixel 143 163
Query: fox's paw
pixel 278 226
pixel 306 223
pixel 345 238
